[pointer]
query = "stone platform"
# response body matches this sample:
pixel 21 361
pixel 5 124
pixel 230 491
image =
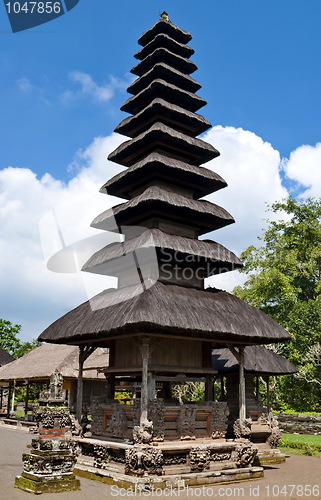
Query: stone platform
pixel 168 464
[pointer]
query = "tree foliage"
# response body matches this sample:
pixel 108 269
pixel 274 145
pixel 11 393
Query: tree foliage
pixel 10 342
pixel 8 336
pixel 283 279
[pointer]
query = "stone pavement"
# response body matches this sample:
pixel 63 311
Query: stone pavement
pixel 299 478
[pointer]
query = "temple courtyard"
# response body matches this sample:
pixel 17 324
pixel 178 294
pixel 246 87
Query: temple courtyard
pixel 288 480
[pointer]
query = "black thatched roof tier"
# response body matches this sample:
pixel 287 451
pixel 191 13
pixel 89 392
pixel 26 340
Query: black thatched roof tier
pixel 196 252
pixel 162 111
pixel 168 74
pixel 163 40
pixel 163 55
pixel 164 90
pixel 156 202
pixel 166 310
pixel 167 27
pixel 160 138
pixel 201 181
pixel 257 360
pixel 5 357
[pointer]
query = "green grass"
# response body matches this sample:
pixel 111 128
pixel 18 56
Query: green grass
pixel 301 444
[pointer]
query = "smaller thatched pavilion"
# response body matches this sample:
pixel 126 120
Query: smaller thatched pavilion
pixel 5 358
pixel 258 362
pixel 55 367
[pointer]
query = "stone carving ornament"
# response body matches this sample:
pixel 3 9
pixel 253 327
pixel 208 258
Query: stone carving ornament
pixel 48 418
pixel 186 422
pixel 199 459
pixel 117 423
pixel 143 460
pixel 156 415
pixel 101 456
pixel 97 416
pixel 219 415
pixel 244 453
pixel 276 435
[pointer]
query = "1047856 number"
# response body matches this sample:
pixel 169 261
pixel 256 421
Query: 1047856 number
pixel 33 7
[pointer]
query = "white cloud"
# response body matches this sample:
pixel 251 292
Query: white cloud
pixel 25 84
pixel 35 297
pixel 250 166
pixel 89 88
pixel 31 294
pixel 303 167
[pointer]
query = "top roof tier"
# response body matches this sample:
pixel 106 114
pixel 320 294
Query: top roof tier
pixel 166 27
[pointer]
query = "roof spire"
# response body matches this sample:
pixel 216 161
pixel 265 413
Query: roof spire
pixel 164 16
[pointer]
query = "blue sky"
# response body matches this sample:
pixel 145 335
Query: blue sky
pixel 61 88
pixel 258 64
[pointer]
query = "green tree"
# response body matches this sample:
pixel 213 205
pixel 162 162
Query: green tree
pixel 8 336
pixel 283 279
pixel 10 342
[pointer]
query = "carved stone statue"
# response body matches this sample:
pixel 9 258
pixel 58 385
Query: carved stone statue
pixel 242 429
pixel 143 433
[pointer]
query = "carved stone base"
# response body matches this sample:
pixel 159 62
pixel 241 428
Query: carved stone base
pixel 42 485
pixel 49 466
pixel 168 463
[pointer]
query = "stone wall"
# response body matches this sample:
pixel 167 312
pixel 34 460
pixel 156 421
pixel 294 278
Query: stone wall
pixel 300 424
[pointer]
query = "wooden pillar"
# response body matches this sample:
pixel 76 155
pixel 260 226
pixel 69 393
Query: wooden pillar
pixel 80 383
pixel 9 399
pixel 13 395
pixel 151 386
pixel 257 387
pixel 242 404
pixel 209 388
pixel 144 394
pixel 268 402
pixel 27 397
pixel 110 386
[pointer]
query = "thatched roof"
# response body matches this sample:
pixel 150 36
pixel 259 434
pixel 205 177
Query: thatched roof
pixel 163 40
pixel 203 251
pixel 166 310
pixel 171 75
pixel 160 55
pixel 200 180
pixel 155 201
pixel 169 92
pixel 41 362
pixel 257 360
pixel 5 357
pixel 162 139
pixel 163 26
pixel 169 114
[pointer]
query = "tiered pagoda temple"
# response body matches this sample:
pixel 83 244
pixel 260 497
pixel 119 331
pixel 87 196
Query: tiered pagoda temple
pixel 161 323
